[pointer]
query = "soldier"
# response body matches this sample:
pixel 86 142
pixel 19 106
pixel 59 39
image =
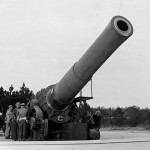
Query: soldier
pixel 97 120
pixel 22 118
pixel 14 123
pixel 9 115
pixel 89 119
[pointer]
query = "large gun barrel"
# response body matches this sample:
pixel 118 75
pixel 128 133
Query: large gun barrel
pixel 62 94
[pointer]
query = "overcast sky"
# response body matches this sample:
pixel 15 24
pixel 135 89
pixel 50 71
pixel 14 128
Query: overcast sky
pixel 41 39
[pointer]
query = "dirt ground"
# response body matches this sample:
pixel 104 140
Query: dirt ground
pixel 107 134
pixel 113 133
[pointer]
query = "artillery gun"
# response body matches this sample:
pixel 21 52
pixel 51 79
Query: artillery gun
pixel 50 114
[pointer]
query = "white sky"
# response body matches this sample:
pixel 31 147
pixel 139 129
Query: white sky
pixel 41 39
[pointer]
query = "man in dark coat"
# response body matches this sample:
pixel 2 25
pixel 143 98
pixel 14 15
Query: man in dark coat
pixel 97 120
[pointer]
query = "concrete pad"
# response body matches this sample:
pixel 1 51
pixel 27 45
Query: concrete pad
pixel 111 140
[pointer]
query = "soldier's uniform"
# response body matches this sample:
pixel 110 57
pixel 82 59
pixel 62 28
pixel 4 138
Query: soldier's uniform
pixel 97 119
pixel 14 123
pixel 22 122
pixel 9 115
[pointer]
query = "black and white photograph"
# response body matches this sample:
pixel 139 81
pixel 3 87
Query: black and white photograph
pixel 74 74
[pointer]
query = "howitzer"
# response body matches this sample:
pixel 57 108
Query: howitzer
pixel 57 99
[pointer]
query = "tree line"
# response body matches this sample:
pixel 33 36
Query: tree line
pixel 128 116
pixel 11 96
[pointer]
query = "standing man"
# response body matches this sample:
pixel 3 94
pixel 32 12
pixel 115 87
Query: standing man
pixel 22 118
pixel 14 123
pixel 9 115
pixel 97 120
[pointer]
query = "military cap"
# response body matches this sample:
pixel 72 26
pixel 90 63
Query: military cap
pixel 17 104
pixel 10 106
pixel 22 104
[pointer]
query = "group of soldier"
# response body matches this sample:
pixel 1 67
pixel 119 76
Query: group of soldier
pixel 94 120
pixel 16 122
